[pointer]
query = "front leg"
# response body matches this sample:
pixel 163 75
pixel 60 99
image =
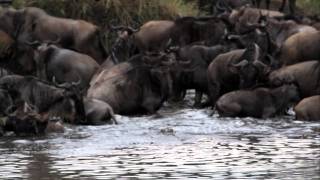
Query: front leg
pixel 214 92
pixel 197 99
pixel 284 2
pixel 268 4
pixel 292 6
pixel 268 112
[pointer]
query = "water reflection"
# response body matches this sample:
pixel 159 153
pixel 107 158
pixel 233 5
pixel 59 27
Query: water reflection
pixel 184 143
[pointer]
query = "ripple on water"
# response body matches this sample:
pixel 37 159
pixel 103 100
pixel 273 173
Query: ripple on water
pixel 182 143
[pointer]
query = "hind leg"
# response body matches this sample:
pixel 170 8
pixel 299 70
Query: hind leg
pixel 292 6
pixel 197 99
pixel 228 110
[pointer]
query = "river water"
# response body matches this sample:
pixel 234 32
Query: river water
pixel 180 143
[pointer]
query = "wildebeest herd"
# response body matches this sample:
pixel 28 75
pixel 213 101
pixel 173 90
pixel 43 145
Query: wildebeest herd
pixel 249 62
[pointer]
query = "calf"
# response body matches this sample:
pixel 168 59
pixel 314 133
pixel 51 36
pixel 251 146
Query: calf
pixel 308 109
pixel 258 103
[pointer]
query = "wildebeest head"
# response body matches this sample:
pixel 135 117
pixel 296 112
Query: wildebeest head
pixel 277 79
pixel 42 52
pixel 260 36
pixel 73 98
pixel 162 66
pixel 288 93
pixel 123 47
pixel 24 119
pixel 250 67
pixel 227 5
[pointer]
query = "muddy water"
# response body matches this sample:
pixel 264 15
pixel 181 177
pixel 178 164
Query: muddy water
pixel 181 143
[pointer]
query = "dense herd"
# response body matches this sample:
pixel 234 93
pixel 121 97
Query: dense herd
pixel 248 61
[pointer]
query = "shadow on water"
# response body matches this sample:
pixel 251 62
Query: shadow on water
pixel 182 143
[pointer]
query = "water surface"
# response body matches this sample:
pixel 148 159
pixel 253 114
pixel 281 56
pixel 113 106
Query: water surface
pixel 181 143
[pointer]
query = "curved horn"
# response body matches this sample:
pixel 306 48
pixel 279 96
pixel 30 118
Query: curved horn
pixel 173 48
pixel 241 63
pixel 187 62
pixel 233 37
pixel 77 83
pixel 56 41
pixel 130 29
pixel 63 85
pixel 259 64
pixel 255 25
pixel 33 43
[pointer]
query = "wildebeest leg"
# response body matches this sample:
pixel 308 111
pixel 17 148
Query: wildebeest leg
pixel 253 2
pixel 258 2
pixel 268 4
pixel 268 112
pixel 228 110
pixel 1 131
pixel 183 94
pixel 197 99
pixel 292 6
pixel 151 104
pixel 214 91
pixel 284 2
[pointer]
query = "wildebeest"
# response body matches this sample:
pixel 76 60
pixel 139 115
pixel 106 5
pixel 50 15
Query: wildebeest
pixel 30 24
pixel 308 109
pixel 5 101
pixel 98 112
pixel 157 34
pixel 193 74
pixel 235 69
pixel 280 31
pixel 64 65
pixel 25 120
pixel 259 103
pixel 139 85
pixel 305 75
pixel 258 35
pixel 246 18
pixel 303 46
pixel 53 100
